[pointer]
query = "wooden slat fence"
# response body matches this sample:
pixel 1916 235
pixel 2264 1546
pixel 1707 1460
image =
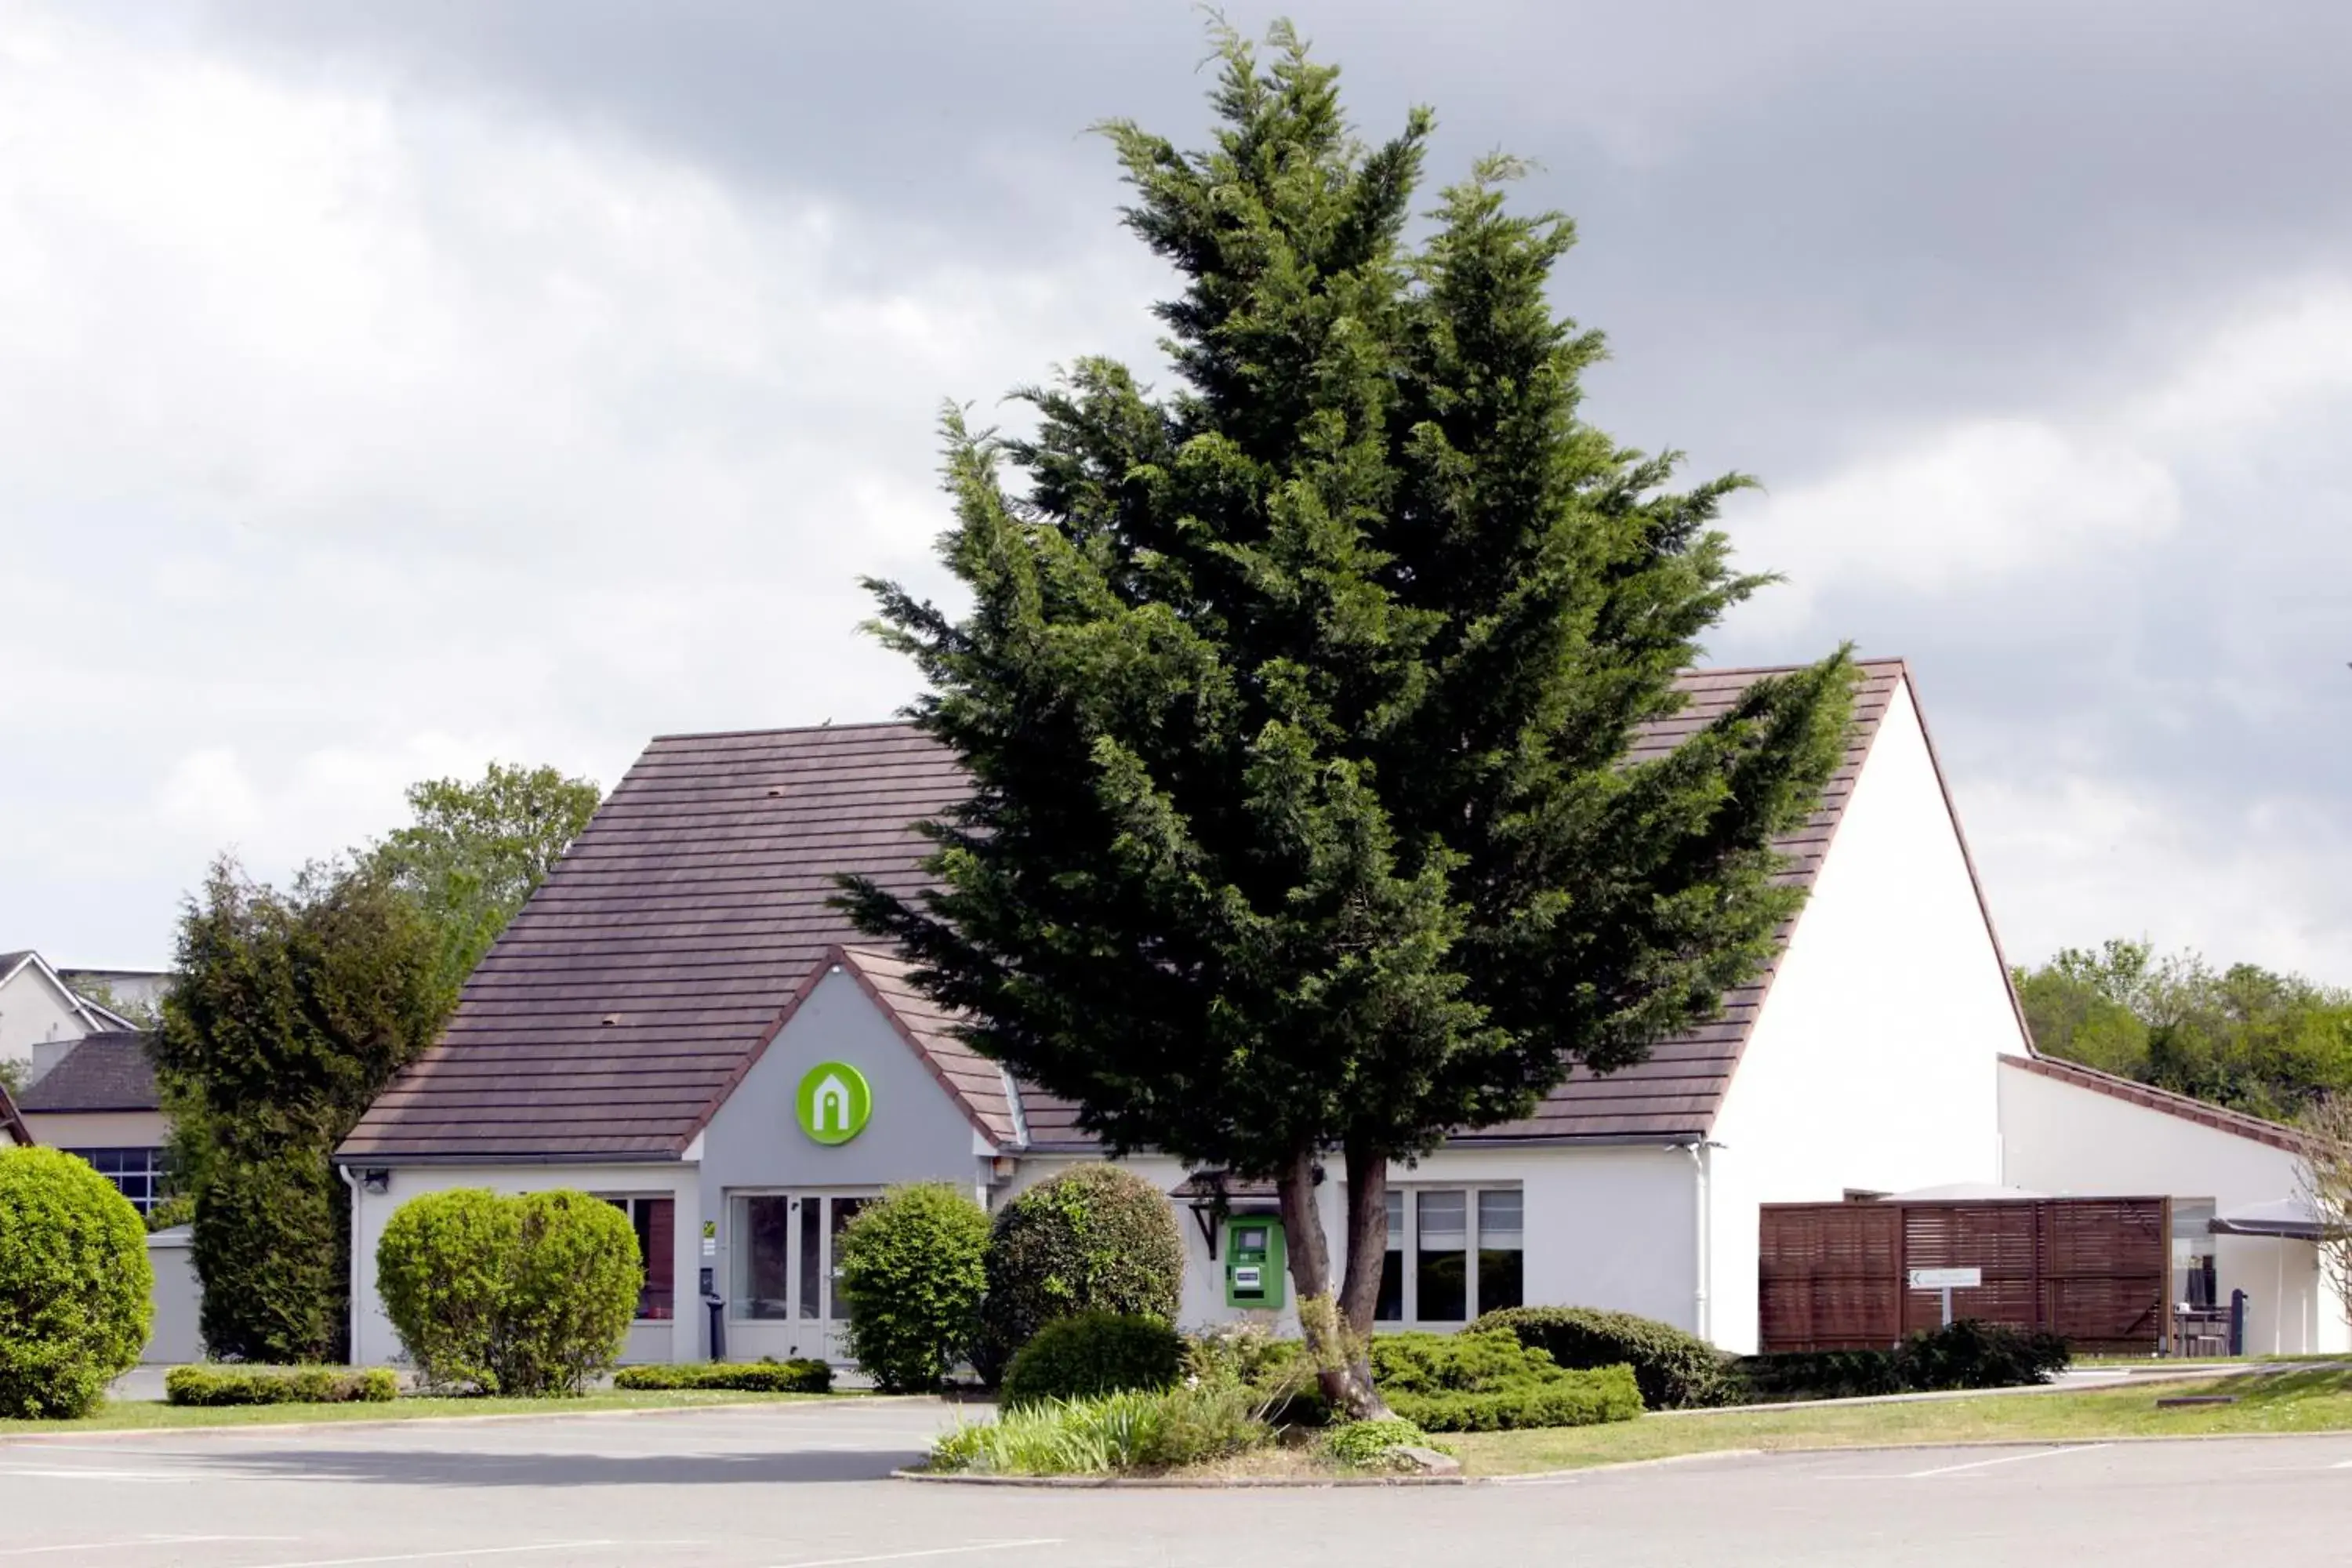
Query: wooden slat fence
pixel 2096 1272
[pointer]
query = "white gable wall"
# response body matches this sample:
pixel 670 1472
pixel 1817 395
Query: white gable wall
pixel 2068 1140
pixel 35 1011
pixel 1873 1062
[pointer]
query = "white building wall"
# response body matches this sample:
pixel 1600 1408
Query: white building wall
pixel 1604 1226
pixel 373 1344
pixel 1873 1063
pixel 2068 1140
pixel 35 1012
pixel 98 1128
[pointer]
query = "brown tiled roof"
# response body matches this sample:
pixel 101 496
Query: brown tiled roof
pixel 2149 1097
pixel 628 997
pixel 618 1006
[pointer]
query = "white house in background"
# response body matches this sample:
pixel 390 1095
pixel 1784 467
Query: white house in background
pixel 2074 1131
pixel 40 1013
pixel 646 1027
pixel 96 1098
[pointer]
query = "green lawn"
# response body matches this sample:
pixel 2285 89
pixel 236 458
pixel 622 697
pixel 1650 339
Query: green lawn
pixel 133 1414
pixel 2313 1401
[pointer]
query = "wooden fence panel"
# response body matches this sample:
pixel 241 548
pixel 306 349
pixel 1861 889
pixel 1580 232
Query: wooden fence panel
pixel 2097 1271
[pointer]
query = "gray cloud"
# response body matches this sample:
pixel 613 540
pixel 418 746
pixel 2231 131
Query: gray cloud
pixel 398 385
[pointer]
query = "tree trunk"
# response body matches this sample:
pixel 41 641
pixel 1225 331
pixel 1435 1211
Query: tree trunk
pixel 1368 1247
pixel 1340 1367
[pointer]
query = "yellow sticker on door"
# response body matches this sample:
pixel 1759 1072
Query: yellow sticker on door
pixel 834 1102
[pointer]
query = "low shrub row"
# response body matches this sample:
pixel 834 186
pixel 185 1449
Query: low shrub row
pixel 1567 1399
pixel 1676 1369
pixel 216 1385
pixel 1965 1355
pixel 749 1377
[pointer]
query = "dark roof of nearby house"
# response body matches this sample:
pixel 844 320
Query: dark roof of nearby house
pixel 2149 1097
pixel 110 1071
pixel 621 1004
pixel 11 1123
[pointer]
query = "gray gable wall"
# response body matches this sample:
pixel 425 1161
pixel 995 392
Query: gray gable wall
pixel 916 1131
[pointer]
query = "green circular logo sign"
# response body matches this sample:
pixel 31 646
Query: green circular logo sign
pixel 832 1102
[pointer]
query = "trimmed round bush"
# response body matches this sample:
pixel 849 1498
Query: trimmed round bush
pixel 1676 1370
pixel 911 1267
pixel 1094 1353
pixel 74 1285
pixel 1096 1238
pixel 572 1294
pixel 441 1268
pixel 521 1295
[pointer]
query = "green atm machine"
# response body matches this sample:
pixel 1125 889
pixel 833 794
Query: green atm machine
pixel 1255 1262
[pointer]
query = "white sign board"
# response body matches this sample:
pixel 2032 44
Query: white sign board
pixel 1947 1278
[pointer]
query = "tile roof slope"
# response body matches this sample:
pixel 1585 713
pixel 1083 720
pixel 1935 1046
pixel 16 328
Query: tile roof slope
pixel 109 1071
pixel 652 960
pixel 977 1084
pixel 10 1122
pixel 624 999
pixel 2278 1135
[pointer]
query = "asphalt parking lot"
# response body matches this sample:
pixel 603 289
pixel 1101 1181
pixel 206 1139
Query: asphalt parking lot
pixel 805 1487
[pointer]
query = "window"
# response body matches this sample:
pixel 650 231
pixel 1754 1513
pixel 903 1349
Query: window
pixel 656 1222
pixel 1390 1309
pixel 782 1250
pixel 137 1174
pixel 1453 1253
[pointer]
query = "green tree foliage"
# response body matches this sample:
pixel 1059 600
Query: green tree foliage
pixel 1091 1353
pixel 1298 701
pixel 74 1285
pixel 2265 1043
pixel 476 851
pixel 521 1295
pixel 911 1271
pixel 1094 1238
pixel 293 1008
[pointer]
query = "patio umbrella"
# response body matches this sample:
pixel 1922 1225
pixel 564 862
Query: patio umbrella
pixel 2285 1220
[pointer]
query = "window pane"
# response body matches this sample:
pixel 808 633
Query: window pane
pixel 656 1226
pixel 811 1234
pixel 763 1231
pixel 1441 1256
pixel 1389 1308
pixel 1499 1217
pixel 844 1210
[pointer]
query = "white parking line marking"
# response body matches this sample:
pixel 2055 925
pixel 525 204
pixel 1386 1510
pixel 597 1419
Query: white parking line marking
pixel 437 1556
pixel 137 1541
pixel 2341 1464
pixel 927 1552
pixel 2004 1459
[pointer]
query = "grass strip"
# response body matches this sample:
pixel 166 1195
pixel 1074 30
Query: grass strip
pixel 2314 1400
pixel 153 1415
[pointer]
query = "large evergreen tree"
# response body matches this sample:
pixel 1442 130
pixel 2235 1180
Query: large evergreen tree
pixel 1298 703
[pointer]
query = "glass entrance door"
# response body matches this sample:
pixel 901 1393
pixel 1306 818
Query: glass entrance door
pixel 782 1302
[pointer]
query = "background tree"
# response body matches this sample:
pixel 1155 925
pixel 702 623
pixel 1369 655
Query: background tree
pixel 2256 1040
pixel 2326 1174
pixel 476 851
pixel 1297 703
pixel 292 1009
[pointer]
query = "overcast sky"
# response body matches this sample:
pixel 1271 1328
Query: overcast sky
pixel 388 388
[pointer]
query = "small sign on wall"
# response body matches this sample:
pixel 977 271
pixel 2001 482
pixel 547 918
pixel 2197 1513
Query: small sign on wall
pixel 834 1102
pixel 1947 1278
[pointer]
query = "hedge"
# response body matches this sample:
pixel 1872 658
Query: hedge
pixel 522 1295
pixel 750 1377
pixel 268 1246
pixel 214 1386
pixel 1968 1354
pixel 1094 1353
pixel 911 1269
pixel 75 1284
pixel 1567 1399
pixel 1094 1239
pixel 1676 1369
